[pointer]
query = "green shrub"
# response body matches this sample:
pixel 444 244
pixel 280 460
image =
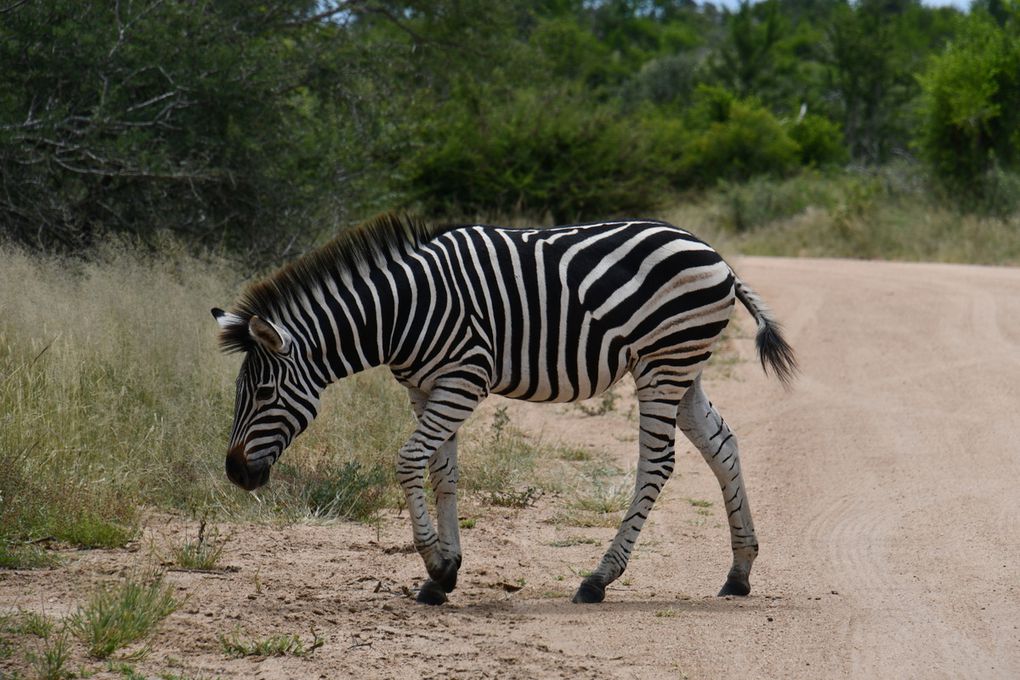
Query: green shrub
pixel 734 139
pixel 537 153
pixel 971 108
pixel 820 141
pixel 742 207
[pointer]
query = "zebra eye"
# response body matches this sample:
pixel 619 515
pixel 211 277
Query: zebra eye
pixel 264 393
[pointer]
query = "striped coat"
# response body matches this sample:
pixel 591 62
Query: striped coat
pixel 459 313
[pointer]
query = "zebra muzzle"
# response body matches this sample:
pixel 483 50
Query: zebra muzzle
pixel 247 476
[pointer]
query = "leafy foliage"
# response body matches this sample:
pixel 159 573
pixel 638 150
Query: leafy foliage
pixel 971 131
pixel 260 128
pixel 538 153
pixel 737 140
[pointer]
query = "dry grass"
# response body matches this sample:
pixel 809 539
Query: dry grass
pixel 115 397
pixel 888 213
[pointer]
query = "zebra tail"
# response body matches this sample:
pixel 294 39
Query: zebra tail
pixel 773 350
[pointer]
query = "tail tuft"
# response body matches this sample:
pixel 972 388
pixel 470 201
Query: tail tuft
pixel 774 351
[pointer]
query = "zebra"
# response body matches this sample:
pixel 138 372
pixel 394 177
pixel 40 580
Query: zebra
pixel 555 314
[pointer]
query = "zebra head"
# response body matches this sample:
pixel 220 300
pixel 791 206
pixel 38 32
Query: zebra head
pixel 275 401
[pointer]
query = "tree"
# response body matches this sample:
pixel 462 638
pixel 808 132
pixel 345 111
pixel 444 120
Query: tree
pixel 222 122
pixel 971 105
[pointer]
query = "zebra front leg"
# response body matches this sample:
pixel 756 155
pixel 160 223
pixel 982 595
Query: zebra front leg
pixel 433 444
pixel 706 429
pixel 443 475
pixel 655 465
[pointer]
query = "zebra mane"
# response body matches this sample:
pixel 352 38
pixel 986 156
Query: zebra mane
pixel 346 251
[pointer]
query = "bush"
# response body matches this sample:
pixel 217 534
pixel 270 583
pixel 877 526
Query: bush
pixel 971 108
pixel 734 140
pixel 820 141
pixel 210 120
pixel 537 154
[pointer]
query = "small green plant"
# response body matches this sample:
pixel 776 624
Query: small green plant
pixel 50 661
pixel 116 616
pixel 125 670
pixel 574 540
pixel 34 623
pixel 698 503
pixel 574 454
pixel 500 469
pixel 14 556
pixel 275 645
pixel 202 554
pixel 511 498
pixel 602 496
pixel 606 404
pixel 667 613
pixel 467 523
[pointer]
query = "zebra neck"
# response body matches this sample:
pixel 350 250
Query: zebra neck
pixel 351 322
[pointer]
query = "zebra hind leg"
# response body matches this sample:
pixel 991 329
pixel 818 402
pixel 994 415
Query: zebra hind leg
pixel 706 429
pixel 656 440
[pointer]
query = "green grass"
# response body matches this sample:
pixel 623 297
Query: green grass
pixel 201 554
pixel 126 612
pixel 34 623
pixel 574 454
pixel 574 540
pixel 50 659
pixel 14 556
pixel 275 645
pixel 598 493
pixel 499 462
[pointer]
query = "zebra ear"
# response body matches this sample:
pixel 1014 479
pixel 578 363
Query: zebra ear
pixel 269 335
pixel 225 319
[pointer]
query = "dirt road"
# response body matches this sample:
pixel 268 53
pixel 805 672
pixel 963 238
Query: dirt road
pixel 884 486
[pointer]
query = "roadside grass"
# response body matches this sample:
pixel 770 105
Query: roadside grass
pixel 887 213
pixel 33 623
pixel 286 644
pixel 118 615
pixel 114 397
pixel 499 462
pixel 598 498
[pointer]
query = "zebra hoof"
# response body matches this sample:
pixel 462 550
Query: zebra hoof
pixel 735 586
pixel 590 592
pixel 446 575
pixel 431 593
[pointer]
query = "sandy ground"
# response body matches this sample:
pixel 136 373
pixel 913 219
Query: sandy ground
pixel 885 490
